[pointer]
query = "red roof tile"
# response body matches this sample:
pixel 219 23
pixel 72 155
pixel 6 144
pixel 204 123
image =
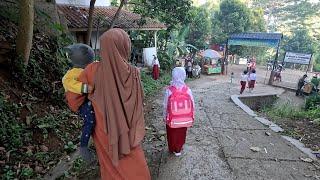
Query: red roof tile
pixel 77 18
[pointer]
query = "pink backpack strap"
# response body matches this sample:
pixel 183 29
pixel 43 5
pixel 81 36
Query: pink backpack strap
pixel 172 89
pixel 185 88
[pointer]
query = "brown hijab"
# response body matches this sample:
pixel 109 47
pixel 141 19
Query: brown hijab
pixel 118 94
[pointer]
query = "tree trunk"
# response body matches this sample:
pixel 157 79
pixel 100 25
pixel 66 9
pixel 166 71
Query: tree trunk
pixel 115 17
pixel 271 78
pixel 90 21
pixel 25 34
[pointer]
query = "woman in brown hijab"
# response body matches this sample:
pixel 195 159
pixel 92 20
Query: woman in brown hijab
pixel 117 102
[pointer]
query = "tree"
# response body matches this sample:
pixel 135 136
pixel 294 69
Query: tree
pixel 287 15
pixel 177 45
pixel 300 41
pixel 25 34
pixel 115 17
pixel 171 12
pixel 234 16
pixel 90 21
pixel 200 27
pixel 257 22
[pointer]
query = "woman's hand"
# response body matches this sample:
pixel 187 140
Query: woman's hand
pixel 90 89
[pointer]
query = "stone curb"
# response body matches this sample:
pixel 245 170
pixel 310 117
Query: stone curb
pixel 274 127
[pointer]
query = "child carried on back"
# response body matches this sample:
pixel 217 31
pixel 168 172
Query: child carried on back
pixel 81 55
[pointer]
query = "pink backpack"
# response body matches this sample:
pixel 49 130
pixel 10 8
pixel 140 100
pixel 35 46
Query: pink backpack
pixel 180 108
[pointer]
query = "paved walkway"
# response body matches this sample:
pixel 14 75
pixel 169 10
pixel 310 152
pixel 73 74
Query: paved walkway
pixel 218 146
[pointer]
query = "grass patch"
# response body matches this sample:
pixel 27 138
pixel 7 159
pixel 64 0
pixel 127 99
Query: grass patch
pixel 290 112
pixel 150 86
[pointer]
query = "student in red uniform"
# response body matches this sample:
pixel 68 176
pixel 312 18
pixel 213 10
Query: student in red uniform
pixel 156 68
pixel 252 80
pixel 243 81
pixel 178 111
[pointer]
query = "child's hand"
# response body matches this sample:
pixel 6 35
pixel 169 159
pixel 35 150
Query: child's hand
pixel 90 89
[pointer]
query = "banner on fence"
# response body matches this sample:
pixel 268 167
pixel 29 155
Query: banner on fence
pixel 297 58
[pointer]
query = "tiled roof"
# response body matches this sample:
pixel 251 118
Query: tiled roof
pixel 77 18
pixel 257 35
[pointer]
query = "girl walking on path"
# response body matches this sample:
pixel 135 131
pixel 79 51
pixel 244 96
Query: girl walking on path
pixel 252 80
pixel 178 111
pixel 243 81
pixel 117 102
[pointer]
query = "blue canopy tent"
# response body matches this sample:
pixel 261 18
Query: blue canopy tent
pixel 257 39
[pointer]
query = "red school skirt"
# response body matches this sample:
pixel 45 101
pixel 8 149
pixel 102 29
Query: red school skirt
pixel 252 83
pixel 176 138
pixel 155 72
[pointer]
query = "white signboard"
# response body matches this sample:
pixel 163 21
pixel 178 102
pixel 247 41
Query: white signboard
pixel 297 58
pixel 148 55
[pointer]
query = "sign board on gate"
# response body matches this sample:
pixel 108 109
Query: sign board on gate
pixel 297 58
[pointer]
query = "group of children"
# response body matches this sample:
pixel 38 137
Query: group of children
pixel 248 77
pixel 178 102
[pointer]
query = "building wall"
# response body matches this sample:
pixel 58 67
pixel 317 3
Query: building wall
pixel 84 2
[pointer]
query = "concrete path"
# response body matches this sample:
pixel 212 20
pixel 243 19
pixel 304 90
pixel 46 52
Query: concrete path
pixel 218 146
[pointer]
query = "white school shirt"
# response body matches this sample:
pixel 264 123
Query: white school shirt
pixel 244 77
pixel 252 76
pixel 155 62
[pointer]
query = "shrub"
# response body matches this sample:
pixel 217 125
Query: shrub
pixel 151 86
pixel 312 102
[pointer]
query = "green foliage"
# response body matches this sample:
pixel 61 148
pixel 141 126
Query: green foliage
pixel 257 22
pixel 170 12
pixel 300 41
pixel 78 165
pixel 114 3
pixel 11 130
pixel 233 17
pixel 16 134
pixel 316 67
pixel 177 45
pixel 10 11
pixel 298 20
pixel 70 147
pixel 26 173
pixel 313 102
pixel 173 13
pixel 9 175
pixel 166 63
pixel 199 27
pixel 290 112
pixel 46 67
pixel 151 86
